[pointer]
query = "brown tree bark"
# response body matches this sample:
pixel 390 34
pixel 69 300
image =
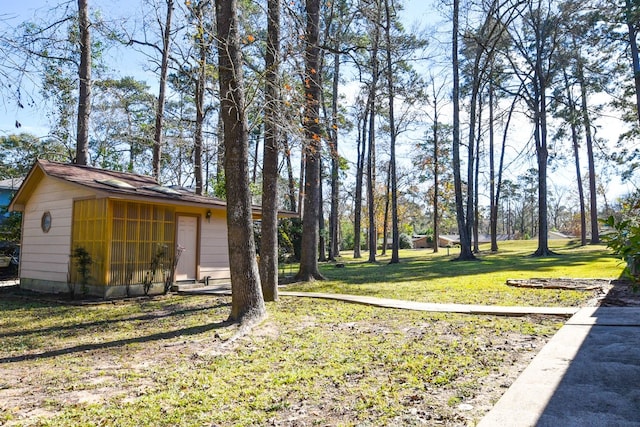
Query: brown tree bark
pixel 200 89
pixel 247 304
pixel 269 239
pixel 84 74
pixel 309 252
pixel 371 150
pixel 357 221
pixel 463 229
pixel 395 239
pixel 586 121
pixel 164 69
pixel 334 219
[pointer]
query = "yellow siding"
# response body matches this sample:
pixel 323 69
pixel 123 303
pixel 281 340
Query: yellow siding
pixel 90 233
pixel 140 232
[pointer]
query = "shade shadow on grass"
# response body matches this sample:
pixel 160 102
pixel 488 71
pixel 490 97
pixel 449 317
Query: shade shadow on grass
pixel 421 268
pixel 195 330
pixel 110 322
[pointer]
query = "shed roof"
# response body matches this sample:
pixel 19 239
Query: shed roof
pixel 11 183
pixel 123 185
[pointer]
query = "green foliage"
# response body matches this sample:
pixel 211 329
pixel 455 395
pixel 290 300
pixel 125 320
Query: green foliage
pixel 160 262
pixel 623 234
pixel 624 241
pixel 289 239
pixel 83 262
pixel 18 153
pixel 219 188
pixel 406 242
pixel 11 226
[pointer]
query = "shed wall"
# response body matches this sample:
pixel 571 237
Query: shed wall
pixel 45 256
pixel 214 250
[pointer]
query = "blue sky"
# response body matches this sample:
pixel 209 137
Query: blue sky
pixel 124 64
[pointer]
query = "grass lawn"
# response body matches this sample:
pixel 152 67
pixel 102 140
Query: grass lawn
pixel 428 277
pixel 172 361
pixel 169 362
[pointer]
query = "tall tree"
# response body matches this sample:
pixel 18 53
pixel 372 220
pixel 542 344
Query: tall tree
pixel 269 238
pixel 204 43
pixel 247 304
pixel 464 229
pixel 164 69
pixel 374 16
pixel 360 163
pixel 395 233
pixel 312 134
pixel 536 43
pixel 632 17
pixel 84 75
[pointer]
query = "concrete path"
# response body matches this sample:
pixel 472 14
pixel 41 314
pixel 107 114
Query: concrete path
pixel 587 375
pixel 410 305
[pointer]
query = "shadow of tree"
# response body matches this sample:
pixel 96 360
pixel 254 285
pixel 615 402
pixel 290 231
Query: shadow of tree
pixel 195 330
pixel 110 322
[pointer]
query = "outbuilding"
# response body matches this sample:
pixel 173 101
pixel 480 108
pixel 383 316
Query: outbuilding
pixel 113 234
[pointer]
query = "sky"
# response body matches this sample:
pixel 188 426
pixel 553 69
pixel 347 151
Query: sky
pixel 32 119
pixel 418 13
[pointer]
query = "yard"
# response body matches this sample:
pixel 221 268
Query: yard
pixel 174 360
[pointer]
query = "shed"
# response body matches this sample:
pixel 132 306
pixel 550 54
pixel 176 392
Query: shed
pixel 137 235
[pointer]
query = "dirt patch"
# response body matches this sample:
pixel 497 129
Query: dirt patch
pixel 607 292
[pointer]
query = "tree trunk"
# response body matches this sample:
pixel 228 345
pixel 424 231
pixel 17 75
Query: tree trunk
pixel 322 244
pixel 586 121
pixel 269 238
pixel 476 187
pixel 290 179
pixel 371 154
pixel 465 238
pixel 164 69
pixel 334 220
pixel 357 220
pixel 247 304
pixel 576 154
pixel 542 155
pixel 493 203
pixel 395 243
pixel 633 44
pixel 84 75
pixel 371 181
pixel 385 221
pixel 436 184
pixel 200 90
pixel 220 154
pixel 309 257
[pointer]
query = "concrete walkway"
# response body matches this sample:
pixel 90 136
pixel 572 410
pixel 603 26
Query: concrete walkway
pixel 587 375
pixel 409 305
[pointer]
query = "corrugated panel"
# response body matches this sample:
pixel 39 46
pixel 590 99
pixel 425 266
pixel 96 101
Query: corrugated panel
pixel 142 237
pixel 90 233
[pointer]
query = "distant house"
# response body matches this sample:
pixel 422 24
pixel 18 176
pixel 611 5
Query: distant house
pixel 132 228
pixel 8 188
pixel 422 241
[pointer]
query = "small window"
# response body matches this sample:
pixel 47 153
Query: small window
pixel 45 222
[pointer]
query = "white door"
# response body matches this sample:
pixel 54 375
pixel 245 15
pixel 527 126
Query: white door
pixel 187 238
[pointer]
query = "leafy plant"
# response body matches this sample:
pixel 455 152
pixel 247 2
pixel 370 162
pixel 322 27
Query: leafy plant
pixel 159 261
pixel 624 241
pixel 83 263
